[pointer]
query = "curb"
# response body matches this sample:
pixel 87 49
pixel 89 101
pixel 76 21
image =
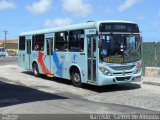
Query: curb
pixel 151 83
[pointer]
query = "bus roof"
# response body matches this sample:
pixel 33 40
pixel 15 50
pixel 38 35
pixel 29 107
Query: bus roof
pixel 87 25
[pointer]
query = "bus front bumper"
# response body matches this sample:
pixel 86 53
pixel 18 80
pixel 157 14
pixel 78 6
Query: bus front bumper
pixel 110 80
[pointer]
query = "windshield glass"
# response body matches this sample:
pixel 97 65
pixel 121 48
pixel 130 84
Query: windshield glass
pixel 120 48
pixel 1 49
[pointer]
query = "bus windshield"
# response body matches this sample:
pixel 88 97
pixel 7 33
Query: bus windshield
pixel 1 49
pixel 120 48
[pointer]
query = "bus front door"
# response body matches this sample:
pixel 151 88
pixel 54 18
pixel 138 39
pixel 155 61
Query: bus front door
pixel 28 54
pixel 92 58
pixel 49 53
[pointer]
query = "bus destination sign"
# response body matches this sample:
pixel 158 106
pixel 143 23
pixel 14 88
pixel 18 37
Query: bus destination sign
pixel 119 27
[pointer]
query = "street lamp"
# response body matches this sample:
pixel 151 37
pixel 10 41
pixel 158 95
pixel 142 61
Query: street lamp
pixel 5 36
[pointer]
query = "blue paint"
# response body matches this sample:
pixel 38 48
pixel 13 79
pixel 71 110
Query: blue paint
pixel 35 55
pixel 58 64
pixel 74 58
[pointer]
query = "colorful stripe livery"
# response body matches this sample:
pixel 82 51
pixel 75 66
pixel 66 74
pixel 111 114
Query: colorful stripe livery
pixel 41 57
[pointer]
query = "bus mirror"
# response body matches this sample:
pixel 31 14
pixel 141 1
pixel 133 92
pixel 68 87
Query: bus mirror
pixel 141 39
pixel 100 43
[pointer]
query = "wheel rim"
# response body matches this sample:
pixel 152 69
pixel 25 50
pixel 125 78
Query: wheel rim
pixel 76 78
pixel 35 70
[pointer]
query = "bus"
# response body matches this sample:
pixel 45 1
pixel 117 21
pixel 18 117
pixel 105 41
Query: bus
pixel 96 52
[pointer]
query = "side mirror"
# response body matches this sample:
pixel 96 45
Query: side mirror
pixel 141 39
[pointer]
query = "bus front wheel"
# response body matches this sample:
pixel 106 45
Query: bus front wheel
pixel 35 70
pixel 76 78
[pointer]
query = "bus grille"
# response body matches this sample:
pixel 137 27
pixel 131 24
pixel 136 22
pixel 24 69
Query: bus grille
pixel 122 67
pixel 123 78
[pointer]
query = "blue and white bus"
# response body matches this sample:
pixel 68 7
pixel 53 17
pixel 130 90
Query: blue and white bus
pixel 96 52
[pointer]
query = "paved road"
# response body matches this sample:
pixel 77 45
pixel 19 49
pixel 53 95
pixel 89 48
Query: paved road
pixel 21 99
pixel 21 92
pixel 8 60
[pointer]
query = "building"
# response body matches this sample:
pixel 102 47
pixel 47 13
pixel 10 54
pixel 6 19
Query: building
pixel 11 45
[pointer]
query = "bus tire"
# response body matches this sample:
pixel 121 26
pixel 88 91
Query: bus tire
pixel 76 78
pixel 35 70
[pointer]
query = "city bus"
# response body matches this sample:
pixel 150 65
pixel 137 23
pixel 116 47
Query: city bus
pixel 96 52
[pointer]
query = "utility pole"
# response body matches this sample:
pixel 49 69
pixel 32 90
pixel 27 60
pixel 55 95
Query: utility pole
pixel 5 38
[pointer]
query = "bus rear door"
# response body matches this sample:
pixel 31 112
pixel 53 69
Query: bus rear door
pixel 49 52
pixel 28 52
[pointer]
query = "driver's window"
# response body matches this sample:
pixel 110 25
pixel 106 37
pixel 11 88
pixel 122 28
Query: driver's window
pixel 131 43
pixel 106 45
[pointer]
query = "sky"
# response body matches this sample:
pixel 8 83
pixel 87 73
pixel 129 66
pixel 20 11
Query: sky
pixel 18 16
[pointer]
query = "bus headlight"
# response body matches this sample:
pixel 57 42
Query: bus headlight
pixel 138 68
pixel 104 71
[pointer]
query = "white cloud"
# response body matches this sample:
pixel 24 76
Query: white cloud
pixel 57 22
pixel 127 4
pixel 4 5
pixel 39 7
pixel 77 7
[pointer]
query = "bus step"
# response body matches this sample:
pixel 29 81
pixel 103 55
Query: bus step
pixel 92 82
pixel 51 76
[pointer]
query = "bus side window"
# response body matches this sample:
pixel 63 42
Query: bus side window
pixel 22 43
pixel 38 42
pixel 76 41
pixel 61 41
pixel 33 42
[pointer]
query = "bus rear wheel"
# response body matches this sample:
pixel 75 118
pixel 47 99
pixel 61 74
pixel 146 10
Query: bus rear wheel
pixel 76 78
pixel 35 70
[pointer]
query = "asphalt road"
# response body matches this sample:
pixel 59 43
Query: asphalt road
pixel 22 93
pixel 12 95
pixel 8 60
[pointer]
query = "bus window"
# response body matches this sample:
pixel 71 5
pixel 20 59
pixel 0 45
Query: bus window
pixel 49 46
pixel 38 42
pixel 22 43
pixel 33 42
pixel 2 49
pixel 76 41
pixel 61 42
